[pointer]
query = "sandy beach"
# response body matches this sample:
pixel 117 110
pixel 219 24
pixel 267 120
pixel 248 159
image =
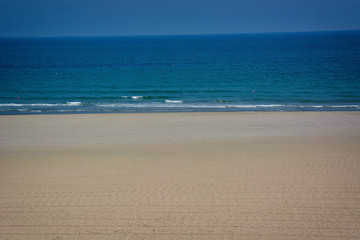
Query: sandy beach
pixel 181 176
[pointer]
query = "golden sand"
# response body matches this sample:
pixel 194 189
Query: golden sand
pixel 180 176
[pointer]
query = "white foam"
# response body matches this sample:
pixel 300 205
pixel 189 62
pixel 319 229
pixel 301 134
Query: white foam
pixel 205 106
pixel 45 104
pixel 73 103
pixel 40 104
pixel 108 105
pixel 344 106
pixel 271 105
pixel 173 101
pixel 136 97
pixel 256 105
pixel 165 105
pixel 28 105
pixel 11 105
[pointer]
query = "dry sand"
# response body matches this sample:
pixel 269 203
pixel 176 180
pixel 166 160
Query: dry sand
pixel 180 176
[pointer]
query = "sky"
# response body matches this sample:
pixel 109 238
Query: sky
pixel 34 18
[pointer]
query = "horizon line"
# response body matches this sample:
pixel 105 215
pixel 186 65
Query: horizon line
pixel 173 35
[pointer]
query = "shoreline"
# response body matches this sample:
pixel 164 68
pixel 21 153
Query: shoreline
pixel 159 128
pixel 349 108
pixel 40 112
pixel 252 175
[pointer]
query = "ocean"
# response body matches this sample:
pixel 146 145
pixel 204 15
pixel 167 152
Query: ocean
pixel 313 71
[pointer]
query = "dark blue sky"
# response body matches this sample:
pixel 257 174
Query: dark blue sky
pixel 163 17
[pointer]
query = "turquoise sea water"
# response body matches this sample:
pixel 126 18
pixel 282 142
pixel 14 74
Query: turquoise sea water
pixel 318 71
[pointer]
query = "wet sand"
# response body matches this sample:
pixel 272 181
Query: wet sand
pixel 180 176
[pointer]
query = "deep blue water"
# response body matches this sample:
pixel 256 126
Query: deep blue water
pixel 246 72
